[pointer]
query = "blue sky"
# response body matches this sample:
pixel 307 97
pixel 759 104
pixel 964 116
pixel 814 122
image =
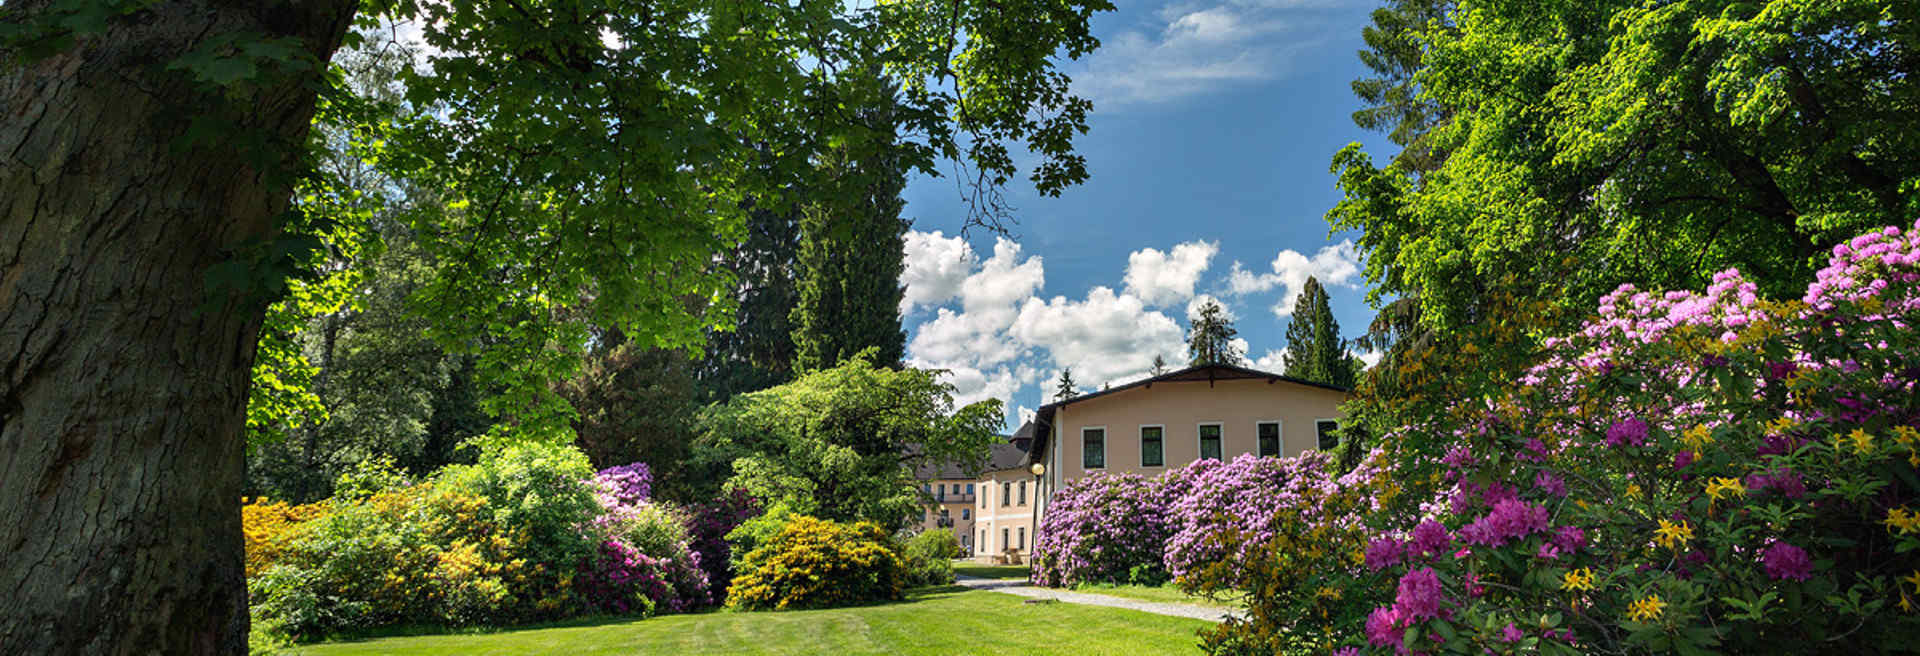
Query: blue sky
pixel 1213 127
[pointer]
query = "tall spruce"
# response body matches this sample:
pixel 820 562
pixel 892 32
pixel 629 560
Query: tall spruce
pixel 758 352
pixel 1210 340
pixel 1314 349
pixel 1159 365
pixel 852 252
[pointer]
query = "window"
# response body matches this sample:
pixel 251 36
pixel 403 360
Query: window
pixel 969 489
pixel 983 540
pixel 1006 493
pixel 942 495
pixel 1269 438
pixel 1093 448
pixel 966 513
pixel 1004 542
pixel 1153 450
pixel 1210 441
pixel 1329 433
pixel 1023 538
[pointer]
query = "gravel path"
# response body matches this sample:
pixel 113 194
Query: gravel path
pixel 1023 589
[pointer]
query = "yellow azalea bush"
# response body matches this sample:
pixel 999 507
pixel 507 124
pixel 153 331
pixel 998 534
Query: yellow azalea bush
pixel 814 563
pixel 269 526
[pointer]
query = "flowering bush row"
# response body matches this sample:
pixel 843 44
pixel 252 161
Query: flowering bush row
pixel 527 533
pixel 1101 528
pixel 1689 472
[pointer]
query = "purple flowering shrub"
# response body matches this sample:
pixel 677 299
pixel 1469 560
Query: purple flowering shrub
pixel 707 527
pixel 1099 528
pixel 627 484
pixel 1690 472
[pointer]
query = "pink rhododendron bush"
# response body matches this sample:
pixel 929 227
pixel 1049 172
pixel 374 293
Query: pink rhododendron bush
pixel 1105 529
pixel 1691 472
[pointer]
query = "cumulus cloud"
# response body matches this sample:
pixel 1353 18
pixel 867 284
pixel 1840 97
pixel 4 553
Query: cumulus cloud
pixel 1274 361
pixel 1163 278
pixel 977 336
pixel 1186 49
pixel 1200 301
pixel 1107 337
pixel 936 265
pixel 1336 265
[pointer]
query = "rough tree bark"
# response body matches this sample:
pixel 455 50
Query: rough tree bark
pixel 122 390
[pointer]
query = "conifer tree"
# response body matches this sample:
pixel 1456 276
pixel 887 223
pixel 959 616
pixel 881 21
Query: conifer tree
pixel 1065 388
pixel 1211 339
pixel 852 253
pixel 1159 365
pixel 1314 349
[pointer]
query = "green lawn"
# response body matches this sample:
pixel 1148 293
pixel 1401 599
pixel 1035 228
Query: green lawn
pixel 1162 593
pixel 947 620
pixel 992 571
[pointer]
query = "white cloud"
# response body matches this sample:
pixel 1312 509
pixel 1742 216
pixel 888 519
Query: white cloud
pixel 1106 338
pixel 977 336
pixel 974 385
pixel 1166 278
pixel 1370 358
pixel 1191 48
pixel 1336 265
pixel 936 265
pixel 1274 361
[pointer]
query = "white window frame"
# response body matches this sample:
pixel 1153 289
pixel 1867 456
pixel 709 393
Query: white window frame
pixel 1316 431
pixel 1200 451
pixel 1106 437
pixel 1280 435
pixel 1142 436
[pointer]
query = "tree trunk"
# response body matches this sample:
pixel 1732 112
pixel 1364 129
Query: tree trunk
pixel 123 382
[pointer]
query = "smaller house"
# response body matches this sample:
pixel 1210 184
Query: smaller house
pixel 1004 518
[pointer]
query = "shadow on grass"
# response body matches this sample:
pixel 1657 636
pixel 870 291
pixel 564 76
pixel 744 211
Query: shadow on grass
pixel 911 597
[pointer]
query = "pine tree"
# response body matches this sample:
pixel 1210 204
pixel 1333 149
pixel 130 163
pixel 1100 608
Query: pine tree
pixel 1065 388
pixel 1159 365
pixel 759 352
pixel 1314 349
pixel 1211 339
pixel 852 252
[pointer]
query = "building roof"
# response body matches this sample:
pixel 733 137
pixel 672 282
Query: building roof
pixel 1011 454
pixel 1043 418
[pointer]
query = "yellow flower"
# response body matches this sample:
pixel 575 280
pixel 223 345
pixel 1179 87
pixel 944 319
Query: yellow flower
pixel 1779 426
pixel 1912 579
pixel 1905 434
pixel 1862 441
pixel 1902 520
pixel 1645 609
pixel 1577 579
pixel 1696 438
pixel 1673 536
pixel 1633 489
pixel 1725 486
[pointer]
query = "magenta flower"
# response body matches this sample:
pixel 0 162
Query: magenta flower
pixel 1511 633
pixel 1430 538
pixel 1785 561
pixel 1419 595
pixel 1383 628
pixel 1383 553
pixel 1632 432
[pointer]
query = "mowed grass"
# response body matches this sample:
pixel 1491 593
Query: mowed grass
pixel 1160 593
pixel 992 571
pixel 946 620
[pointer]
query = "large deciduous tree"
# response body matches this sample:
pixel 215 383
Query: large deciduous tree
pixel 1593 143
pixel 596 155
pixel 843 443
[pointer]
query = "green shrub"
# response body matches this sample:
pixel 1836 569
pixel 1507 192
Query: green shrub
pixel 812 563
pixel 929 557
pixel 750 534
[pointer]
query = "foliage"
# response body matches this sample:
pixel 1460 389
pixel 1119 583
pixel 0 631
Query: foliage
pixel 493 542
pixel 1314 349
pixel 813 563
pixel 841 443
pixel 757 351
pixel 627 485
pixel 1098 528
pixel 636 404
pixel 929 557
pixel 1689 472
pixel 708 525
pixel 644 561
pixel 851 254
pixel 1394 102
pixel 1210 337
pixel 1593 144
pixel 269 526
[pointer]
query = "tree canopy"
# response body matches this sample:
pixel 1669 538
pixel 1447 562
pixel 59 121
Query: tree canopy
pixel 1314 349
pixel 1210 338
pixel 842 443
pixel 1588 144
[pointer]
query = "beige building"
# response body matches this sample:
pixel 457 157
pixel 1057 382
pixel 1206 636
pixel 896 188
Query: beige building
pixel 1145 427
pixel 1168 421
pixel 954 494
